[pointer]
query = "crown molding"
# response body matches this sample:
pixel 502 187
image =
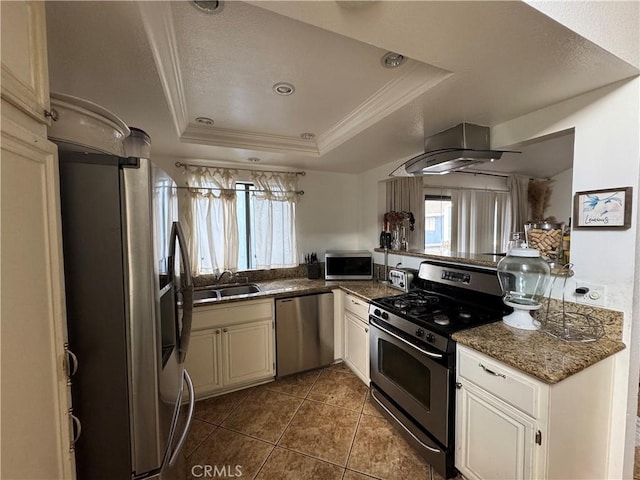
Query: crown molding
pixel 157 19
pixel 415 80
pixel 226 137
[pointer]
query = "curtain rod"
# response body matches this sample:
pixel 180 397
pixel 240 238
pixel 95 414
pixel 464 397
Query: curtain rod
pixel 482 173
pixel 478 189
pixel 180 164
pixel 297 192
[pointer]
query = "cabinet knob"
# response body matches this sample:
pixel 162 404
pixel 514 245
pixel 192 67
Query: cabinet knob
pixel 225 330
pixel 218 332
pixel 366 330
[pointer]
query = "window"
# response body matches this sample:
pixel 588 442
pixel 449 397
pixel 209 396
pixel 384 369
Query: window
pixel 241 224
pixel 437 221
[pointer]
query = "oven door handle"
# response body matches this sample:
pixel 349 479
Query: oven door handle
pixel 428 354
pixel 424 445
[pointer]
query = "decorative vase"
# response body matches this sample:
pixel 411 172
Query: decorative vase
pixel 524 277
pixel 395 238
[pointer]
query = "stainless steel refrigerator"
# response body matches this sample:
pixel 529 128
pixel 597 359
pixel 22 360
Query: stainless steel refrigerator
pixel 129 303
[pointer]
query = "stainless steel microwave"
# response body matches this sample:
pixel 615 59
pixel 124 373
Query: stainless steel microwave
pixel 348 265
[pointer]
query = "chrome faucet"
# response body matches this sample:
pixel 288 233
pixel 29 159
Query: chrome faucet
pixel 219 277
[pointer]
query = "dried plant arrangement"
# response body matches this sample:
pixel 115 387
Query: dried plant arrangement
pixel 539 196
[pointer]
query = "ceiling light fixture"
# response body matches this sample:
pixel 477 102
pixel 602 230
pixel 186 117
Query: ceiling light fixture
pixel 208 6
pixel 253 159
pixel 392 60
pixel 308 135
pixel 204 120
pixel 284 89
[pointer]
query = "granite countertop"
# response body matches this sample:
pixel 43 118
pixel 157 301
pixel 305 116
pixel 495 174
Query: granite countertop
pixel 280 288
pixel 475 259
pixel 536 353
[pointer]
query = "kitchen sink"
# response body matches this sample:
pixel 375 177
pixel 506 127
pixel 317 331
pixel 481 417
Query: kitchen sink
pixel 239 290
pixel 226 291
pixel 207 294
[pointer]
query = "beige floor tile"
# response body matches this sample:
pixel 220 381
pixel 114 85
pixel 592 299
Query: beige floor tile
pixel 351 475
pixel 296 385
pixel 322 431
pixel 215 410
pixel 264 414
pixel 339 389
pixel 380 451
pixel 340 367
pixel 228 454
pixel 436 476
pixel 288 465
pixel 197 433
pixel 370 409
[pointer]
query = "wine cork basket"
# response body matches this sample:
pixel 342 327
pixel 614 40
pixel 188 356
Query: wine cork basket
pixel 546 238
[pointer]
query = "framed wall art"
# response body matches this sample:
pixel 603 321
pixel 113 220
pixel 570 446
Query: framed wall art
pixel 609 208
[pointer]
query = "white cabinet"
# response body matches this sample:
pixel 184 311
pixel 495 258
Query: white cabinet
pixel 232 346
pixel 495 440
pixel 356 336
pixel 247 352
pixel 35 396
pixel 511 425
pixel 25 79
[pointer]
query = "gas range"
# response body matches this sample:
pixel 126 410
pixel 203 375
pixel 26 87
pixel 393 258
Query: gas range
pixel 412 354
pixel 433 317
pixel 445 299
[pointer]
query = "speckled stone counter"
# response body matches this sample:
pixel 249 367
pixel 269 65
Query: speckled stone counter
pixel 474 259
pixel 536 353
pixel 279 288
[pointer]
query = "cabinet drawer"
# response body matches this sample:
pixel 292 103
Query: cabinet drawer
pixel 500 380
pixel 357 306
pixel 235 313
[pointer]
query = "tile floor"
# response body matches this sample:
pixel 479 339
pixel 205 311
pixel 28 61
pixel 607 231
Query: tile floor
pixel 317 425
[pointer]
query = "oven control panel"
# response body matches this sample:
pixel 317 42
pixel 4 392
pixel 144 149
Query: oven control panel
pixel 458 277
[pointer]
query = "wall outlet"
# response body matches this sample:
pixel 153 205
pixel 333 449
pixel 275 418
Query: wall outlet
pixel 589 293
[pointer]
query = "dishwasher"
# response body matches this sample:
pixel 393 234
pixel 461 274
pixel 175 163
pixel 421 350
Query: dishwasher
pixel 304 333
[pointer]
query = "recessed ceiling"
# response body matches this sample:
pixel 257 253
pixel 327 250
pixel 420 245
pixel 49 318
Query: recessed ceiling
pixel 160 65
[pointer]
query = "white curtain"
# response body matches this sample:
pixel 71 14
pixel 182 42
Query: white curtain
pixel 407 195
pixel 518 188
pixel 503 221
pixel 211 219
pixel 273 239
pixel 478 220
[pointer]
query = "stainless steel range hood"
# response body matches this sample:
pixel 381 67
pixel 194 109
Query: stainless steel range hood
pixel 453 149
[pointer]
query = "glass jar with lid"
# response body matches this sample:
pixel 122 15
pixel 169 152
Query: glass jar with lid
pixel 524 277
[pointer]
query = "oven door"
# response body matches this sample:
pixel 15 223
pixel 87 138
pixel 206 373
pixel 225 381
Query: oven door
pixel 417 380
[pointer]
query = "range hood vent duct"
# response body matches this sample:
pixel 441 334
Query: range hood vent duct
pixel 453 149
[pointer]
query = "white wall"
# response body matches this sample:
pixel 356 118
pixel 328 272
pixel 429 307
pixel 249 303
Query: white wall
pixel 606 154
pixel 561 201
pixel 327 215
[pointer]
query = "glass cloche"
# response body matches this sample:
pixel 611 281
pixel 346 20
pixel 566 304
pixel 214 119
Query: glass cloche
pixel 524 277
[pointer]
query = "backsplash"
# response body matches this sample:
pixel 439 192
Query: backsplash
pixel 254 276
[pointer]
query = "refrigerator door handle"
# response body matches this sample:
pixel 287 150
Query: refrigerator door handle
pixel 186 289
pixel 187 426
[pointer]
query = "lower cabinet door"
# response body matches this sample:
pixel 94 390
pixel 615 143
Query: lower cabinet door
pixel 247 352
pixel 203 361
pixel 356 345
pixel 493 440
